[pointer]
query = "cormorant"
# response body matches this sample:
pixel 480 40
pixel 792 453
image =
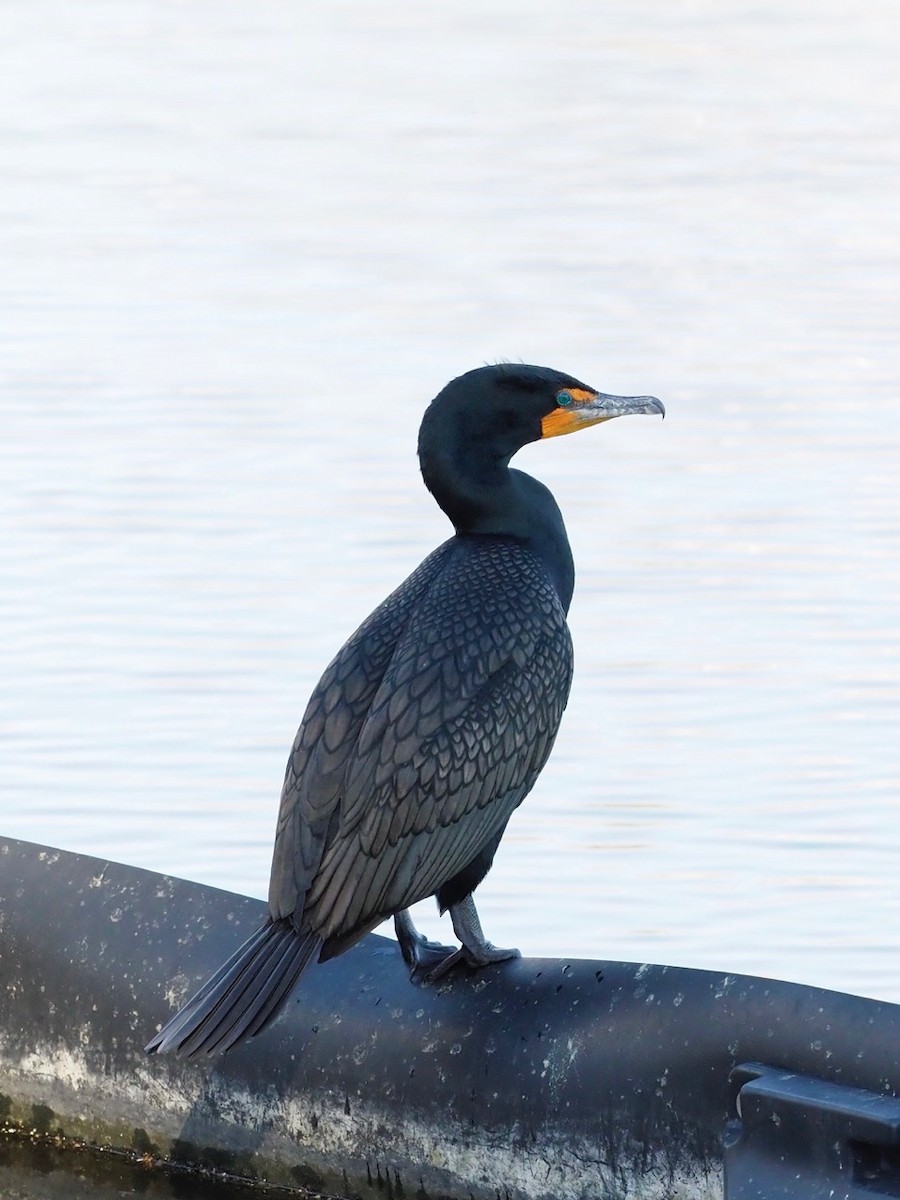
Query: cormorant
pixel 432 723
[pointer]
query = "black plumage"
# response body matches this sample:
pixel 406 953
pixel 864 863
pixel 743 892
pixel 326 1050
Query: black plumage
pixel 434 720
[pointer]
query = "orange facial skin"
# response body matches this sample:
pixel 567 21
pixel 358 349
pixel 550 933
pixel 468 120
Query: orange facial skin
pixel 571 417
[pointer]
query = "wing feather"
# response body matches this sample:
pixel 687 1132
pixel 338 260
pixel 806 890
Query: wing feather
pixel 327 737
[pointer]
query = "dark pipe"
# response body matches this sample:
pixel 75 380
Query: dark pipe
pixel 535 1078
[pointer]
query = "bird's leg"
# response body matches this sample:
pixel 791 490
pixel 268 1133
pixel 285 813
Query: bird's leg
pixel 418 952
pixel 476 950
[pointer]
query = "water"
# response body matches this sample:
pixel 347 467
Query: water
pixel 40 1169
pixel 242 249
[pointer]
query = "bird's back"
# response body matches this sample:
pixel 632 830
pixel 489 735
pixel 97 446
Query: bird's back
pixel 425 732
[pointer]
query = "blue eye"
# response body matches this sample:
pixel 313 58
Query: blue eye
pixel 563 398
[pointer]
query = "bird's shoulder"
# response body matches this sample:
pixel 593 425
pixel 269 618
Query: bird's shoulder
pixel 473 695
pixel 492 604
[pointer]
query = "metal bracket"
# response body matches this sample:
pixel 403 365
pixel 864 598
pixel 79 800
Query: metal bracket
pixel 799 1138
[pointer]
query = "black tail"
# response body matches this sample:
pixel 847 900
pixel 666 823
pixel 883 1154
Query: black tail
pixel 243 996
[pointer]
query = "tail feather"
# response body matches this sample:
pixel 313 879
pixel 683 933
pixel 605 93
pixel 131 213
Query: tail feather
pixel 243 996
pixel 221 1025
pixel 194 1010
pixel 262 989
pixel 275 1000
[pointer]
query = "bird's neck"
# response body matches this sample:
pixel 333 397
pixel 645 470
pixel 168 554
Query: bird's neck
pixel 489 498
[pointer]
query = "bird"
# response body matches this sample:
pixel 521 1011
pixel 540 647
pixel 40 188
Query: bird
pixel 432 723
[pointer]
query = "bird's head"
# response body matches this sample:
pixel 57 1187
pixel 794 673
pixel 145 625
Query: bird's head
pixel 503 407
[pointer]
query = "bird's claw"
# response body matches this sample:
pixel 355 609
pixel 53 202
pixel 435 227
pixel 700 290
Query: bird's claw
pixel 419 953
pixel 423 956
pixel 484 956
pixel 429 961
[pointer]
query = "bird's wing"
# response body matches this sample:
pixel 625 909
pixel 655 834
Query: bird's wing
pixel 327 737
pixel 458 730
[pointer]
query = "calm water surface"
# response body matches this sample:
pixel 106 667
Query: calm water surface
pixel 241 251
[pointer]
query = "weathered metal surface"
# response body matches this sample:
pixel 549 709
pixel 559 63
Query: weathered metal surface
pixel 802 1139
pixel 534 1079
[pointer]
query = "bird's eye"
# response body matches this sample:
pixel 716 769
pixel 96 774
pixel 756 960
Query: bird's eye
pixel 564 398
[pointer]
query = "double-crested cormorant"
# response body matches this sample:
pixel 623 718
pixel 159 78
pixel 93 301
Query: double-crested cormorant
pixel 432 723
